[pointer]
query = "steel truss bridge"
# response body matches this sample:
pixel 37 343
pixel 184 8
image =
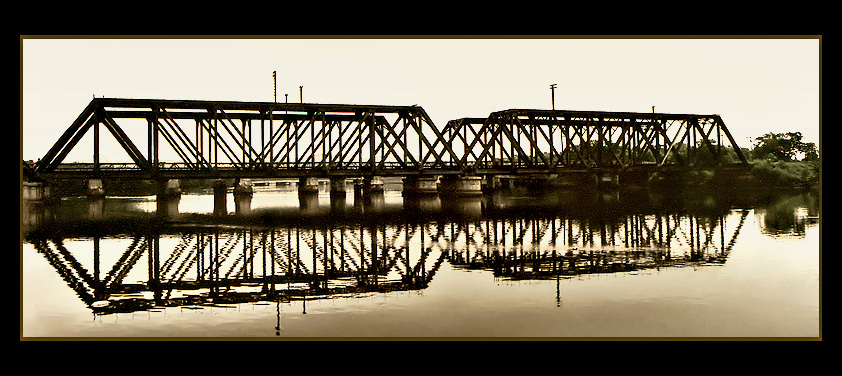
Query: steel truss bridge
pixel 180 139
pixel 200 266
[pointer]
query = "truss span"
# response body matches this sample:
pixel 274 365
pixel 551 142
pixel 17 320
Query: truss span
pixel 181 139
pixel 558 140
pixel 214 139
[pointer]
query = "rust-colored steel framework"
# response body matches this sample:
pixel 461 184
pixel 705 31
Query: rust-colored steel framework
pixel 215 139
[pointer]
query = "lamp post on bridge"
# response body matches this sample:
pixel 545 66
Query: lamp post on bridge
pixel 552 91
pixel 275 85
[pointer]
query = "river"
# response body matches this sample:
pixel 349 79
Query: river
pixel 563 266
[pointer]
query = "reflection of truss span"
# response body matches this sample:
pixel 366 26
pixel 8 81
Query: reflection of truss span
pixel 533 248
pixel 213 266
pixel 543 140
pixel 196 139
pixel 242 265
pixel 167 139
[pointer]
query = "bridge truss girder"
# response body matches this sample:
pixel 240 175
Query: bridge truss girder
pixel 255 139
pixel 554 140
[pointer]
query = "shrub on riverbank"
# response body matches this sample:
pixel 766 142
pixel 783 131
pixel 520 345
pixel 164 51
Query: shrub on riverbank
pixel 796 174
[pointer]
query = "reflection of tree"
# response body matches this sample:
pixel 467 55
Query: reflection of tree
pixel 786 215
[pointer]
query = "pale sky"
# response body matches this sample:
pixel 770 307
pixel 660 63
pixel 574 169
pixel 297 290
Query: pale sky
pixel 757 85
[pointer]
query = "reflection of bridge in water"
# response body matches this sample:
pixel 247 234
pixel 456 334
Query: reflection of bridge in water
pixel 565 247
pixel 198 266
pixel 205 266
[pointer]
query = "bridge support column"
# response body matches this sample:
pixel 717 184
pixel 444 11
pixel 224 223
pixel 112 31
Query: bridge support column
pixel 462 194
pixel 338 192
pixel 607 180
pixel 95 188
pixel 220 197
pixel 168 197
pixel 460 186
pixel 39 204
pixel 491 183
pixel 308 194
pixel 368 186
pixel 36 191
pixel 243 193
pixel 338 188
pixel 420 186
pixel 96 194
pixel 308 185
pixel 368 193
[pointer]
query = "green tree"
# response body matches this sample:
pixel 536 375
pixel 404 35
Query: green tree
pixel 784 147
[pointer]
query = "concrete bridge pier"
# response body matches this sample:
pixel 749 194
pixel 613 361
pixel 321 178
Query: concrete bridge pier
pixel 460 186
pixel 95 188
pixel 96 198
pixel 308 185
pixel 36 192
pixel 420 186
pixel 420 194
pixel 243 193
pixel 338 192
pixel 607 180
pixel 368 193
pixel 308 194
pixel 462 194
pixel 39 204
pixel 338 187
pixel 367 186
pixel 491 183
pixel 308 202
pixel 220 197
pixel 168 197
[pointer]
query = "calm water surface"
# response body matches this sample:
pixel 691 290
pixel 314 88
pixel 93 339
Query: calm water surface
pixel 606 266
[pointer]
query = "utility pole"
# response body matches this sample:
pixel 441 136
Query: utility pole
pixel 552 90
